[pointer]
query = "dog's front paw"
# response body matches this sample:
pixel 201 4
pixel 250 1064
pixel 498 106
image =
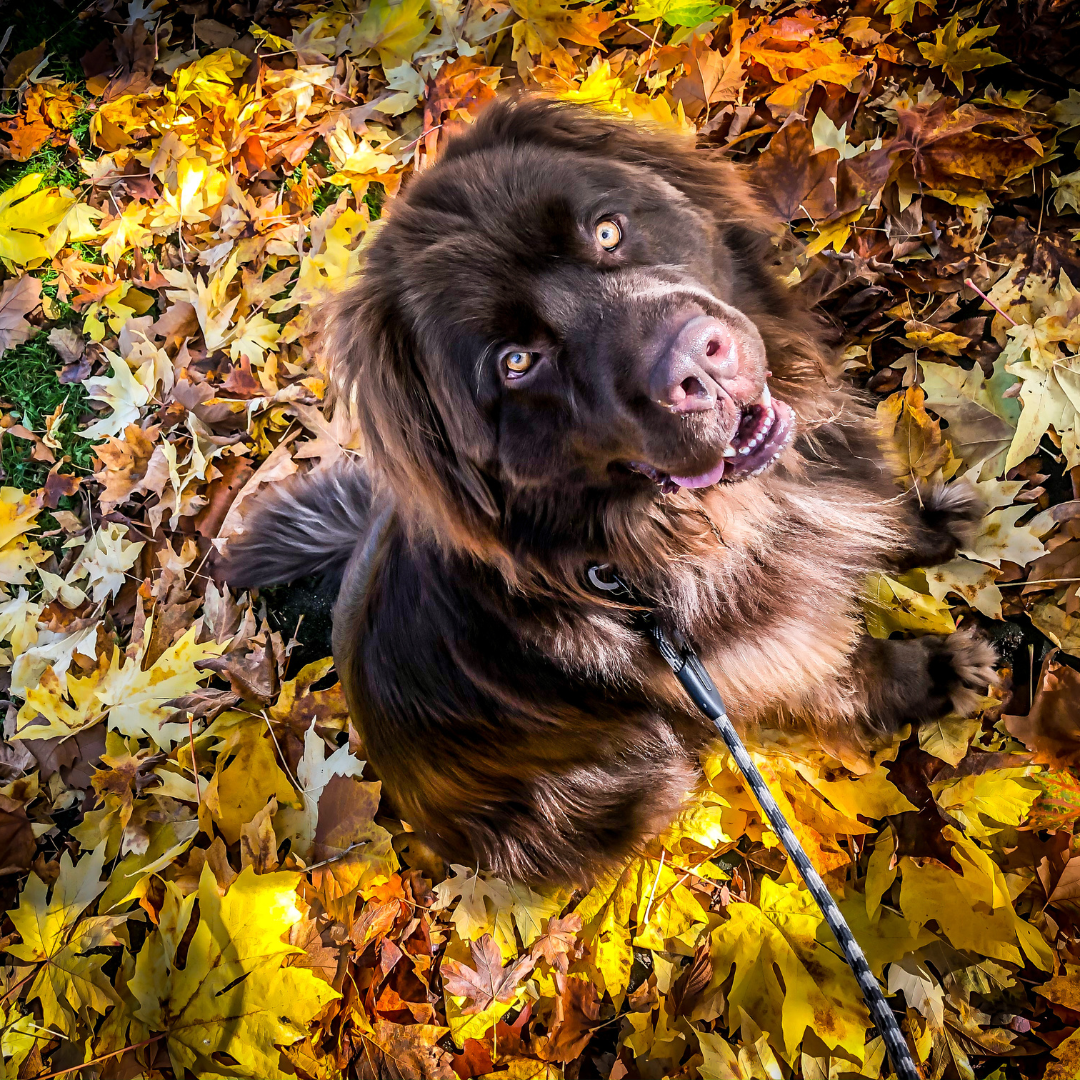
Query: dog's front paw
pixel 954 510
pixel 961 668
pixel 946 520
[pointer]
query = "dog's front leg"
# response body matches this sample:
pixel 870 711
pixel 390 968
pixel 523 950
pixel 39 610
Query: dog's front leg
pixel 902 682
pixel 943 519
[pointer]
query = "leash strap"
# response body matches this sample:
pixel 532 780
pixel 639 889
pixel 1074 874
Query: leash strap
pixel 691 673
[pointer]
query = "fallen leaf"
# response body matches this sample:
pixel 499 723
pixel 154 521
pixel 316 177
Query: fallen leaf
pixel 232 995
pixel 1051 729
pixel 956 54
pixel 69 979
pixel 487 980
pixel 17 299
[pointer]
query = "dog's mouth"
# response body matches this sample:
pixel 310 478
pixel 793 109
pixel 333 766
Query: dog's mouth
pixel 765 431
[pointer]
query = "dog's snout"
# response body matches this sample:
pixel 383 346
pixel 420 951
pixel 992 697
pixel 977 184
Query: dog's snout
pixel 687 376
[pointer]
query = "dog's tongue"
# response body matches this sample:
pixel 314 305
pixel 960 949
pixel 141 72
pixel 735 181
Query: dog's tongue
pixel 766 430
pixel 713 476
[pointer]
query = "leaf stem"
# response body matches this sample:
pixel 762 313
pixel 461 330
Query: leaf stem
pixel 103 1057
pixel 1004 314
pixel 1037 581
pixel 194 764
pixel 12 989
pixel 652 892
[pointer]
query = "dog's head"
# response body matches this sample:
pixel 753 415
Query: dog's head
pixel 566 313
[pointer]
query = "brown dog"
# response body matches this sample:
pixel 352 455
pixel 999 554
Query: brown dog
pixel 568 348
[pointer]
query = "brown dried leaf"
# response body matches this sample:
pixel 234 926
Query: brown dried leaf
pixel 1051 730
pixel 17 299
pixel 488 980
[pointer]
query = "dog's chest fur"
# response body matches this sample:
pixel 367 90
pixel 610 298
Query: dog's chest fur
pixel 769 594
pixel 768 590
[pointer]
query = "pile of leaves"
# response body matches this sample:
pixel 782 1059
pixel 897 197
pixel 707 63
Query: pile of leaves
pixel 198 877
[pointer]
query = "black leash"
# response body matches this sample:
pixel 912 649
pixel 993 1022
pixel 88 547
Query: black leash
pixel 695 680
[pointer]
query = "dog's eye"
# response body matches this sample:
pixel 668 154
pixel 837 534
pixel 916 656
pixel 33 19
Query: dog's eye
pixel 608 235
pixel 517 363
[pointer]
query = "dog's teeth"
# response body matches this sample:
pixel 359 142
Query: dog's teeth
pixel 744 450
pixel 729 451
pixel 766 398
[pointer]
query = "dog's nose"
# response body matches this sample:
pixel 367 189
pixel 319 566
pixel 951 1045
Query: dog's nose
pixel 687 377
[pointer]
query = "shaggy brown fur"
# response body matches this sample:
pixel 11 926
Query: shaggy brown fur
pixel 517 719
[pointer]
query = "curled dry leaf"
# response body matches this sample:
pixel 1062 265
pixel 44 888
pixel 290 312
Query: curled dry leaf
pixel 1051 729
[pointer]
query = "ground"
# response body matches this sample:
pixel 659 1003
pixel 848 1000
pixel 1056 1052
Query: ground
pixel 197 873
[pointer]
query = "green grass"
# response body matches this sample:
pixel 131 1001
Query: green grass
pixel 328 194
pixel 375 197
pixel 30 385
pixel 67 37
pixel 51 161
pixel 319 154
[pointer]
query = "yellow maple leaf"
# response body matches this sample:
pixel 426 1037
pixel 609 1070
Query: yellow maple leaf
pixel 605 914
pixel 358 163
pixel 54 936
pixel 1049 399
pixel 246 778
pixel 27 217
pixel 125 231
pixel 949 737
pixel 122 392
pixel 114 309
pixel 1001 537
pixel 871 795
pixel 973 582
pixel 486 904
pixel 603 89
pixel 65 706
pixel 233 995
pixel 545 24
pixel 78 224
pixel 700 827
pixel 738 1063
pixel 106 559
pixel 210 300
pixel 135 697
pixel 667 910
pixel 915 436
pixel 955 53
pixel 834 233
pixel 901 12
pixel 326 270
pixel 18 555
pixel 393 30
pixel 972 909
pixel 207 80
pixel 988 802
pixel 890 605
pixel 132 698
pixel 198 190
pixel 818 991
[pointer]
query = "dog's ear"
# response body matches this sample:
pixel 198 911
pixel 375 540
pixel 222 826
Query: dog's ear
pixel 376 375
